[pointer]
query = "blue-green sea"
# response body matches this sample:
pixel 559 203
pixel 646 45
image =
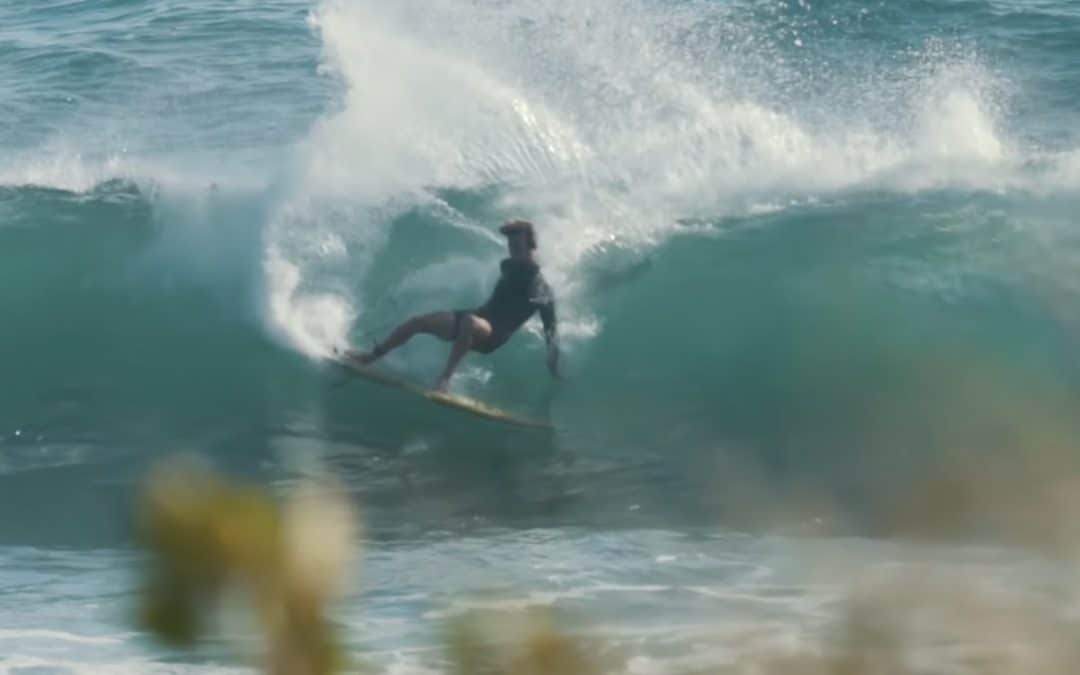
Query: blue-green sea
pixel 811 257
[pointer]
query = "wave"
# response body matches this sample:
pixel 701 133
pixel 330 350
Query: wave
pixel 609 129
pixel 745 260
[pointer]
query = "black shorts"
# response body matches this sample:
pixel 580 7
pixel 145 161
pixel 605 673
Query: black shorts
pixel 486 346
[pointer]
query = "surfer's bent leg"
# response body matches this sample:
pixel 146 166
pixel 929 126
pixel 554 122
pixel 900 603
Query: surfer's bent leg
pixel 439 324
pixel 470 330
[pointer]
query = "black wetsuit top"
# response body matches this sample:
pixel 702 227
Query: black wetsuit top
pixel 520 292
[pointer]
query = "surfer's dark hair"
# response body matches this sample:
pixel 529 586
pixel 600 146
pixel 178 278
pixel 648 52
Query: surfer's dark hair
pixel 520 226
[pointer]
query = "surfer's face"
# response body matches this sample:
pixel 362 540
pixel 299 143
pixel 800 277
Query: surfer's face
pixel 518 244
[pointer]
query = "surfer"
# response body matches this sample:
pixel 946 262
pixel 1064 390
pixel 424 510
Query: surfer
pixel 520 292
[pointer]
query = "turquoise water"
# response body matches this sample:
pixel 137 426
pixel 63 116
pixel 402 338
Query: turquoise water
pixel 819 244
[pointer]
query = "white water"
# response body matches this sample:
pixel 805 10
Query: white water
pixel 603 125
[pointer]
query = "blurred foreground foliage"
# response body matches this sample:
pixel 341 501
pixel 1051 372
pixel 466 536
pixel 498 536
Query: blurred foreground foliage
pixel 215 543
pixel 218 546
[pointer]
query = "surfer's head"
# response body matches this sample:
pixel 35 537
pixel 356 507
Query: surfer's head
pixel 520 237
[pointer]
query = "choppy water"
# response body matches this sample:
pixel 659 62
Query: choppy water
pixel 822 243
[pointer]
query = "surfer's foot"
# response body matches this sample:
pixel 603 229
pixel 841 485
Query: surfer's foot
pixel 364 358
pixel 442 386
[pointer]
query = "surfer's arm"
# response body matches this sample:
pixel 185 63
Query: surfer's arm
pixel 551 336
pixel 543 300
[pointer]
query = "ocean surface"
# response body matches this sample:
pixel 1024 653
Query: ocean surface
pixel 811 257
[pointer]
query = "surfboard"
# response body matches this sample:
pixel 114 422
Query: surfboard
pixel 456 401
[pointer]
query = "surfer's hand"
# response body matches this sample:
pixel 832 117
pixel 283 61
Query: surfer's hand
pixel 553 362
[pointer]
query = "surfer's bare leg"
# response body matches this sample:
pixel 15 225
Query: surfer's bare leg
pixel 439 324
pixel 473 329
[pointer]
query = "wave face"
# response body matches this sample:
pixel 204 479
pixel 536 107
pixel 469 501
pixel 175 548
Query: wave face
pixel 829 240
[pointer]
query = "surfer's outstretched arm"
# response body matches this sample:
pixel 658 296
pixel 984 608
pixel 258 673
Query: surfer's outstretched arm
pixel 551 336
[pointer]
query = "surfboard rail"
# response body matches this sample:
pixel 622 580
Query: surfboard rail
pixel 456 401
